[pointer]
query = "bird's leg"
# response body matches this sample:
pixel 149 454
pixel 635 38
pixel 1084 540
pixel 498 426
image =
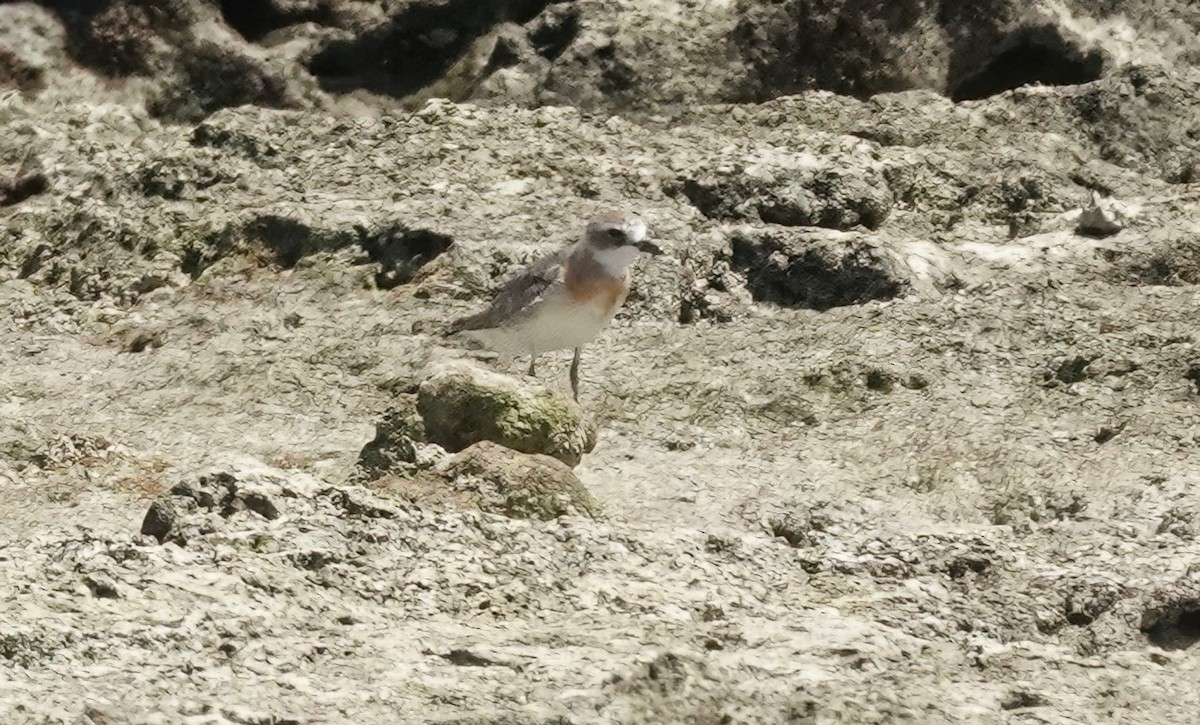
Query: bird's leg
pixel 575 375
pixel 532 360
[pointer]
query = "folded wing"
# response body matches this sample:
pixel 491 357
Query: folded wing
pixel 518 297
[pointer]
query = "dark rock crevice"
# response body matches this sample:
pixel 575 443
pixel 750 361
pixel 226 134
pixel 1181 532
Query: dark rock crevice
pixel 417 46
pixel 401 252
pixel 398 252
pixel 254 19
pixel 1029 56
pixel 1173 626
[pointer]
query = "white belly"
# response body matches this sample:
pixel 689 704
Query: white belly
pixel 553 327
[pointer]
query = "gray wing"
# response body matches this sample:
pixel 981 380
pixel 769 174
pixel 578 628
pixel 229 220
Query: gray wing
pixel 517 295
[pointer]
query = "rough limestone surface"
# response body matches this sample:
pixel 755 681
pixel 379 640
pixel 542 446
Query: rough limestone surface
pixel 831 181
pixel 399 444
pixel 934 465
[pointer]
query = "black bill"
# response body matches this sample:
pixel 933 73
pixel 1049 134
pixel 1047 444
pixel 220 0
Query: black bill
pixel 649 247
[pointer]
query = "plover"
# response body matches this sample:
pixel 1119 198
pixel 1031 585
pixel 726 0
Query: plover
pixel 565 299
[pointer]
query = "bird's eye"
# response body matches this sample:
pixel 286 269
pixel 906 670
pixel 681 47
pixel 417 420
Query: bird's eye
pixel 615 233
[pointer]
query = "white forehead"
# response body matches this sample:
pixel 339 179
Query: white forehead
pixel 635 229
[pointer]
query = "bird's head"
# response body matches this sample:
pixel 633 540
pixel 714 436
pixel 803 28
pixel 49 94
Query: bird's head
pixel 616 238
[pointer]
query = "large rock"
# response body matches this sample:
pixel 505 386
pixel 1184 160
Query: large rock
pixel 816 269
pixel 865 47
pixel 489 477
pixel 461 405
pixel 485 476
pixel 837 183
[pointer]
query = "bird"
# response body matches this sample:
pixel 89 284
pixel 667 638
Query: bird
pixel 566 298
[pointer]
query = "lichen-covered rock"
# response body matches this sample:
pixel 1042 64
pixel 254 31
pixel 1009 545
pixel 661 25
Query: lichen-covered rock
pixel 118 40
pixel 211 76
pixel 620 56
pixel 461 405
pixel 521 485
pixel 866 47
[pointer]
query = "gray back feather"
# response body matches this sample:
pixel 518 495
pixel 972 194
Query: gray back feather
pixel 517 295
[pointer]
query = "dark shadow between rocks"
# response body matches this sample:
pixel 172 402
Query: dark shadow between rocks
pixel 1192 375
pixel 399 252
pixel 24 184
pixel 1179 629
pixel 553 31
pixel 16 73
pixel 1029 56
pixel 415 48
pixel 253 19
pixel 288 239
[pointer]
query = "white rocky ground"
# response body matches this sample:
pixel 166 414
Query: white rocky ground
pixel 883 438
